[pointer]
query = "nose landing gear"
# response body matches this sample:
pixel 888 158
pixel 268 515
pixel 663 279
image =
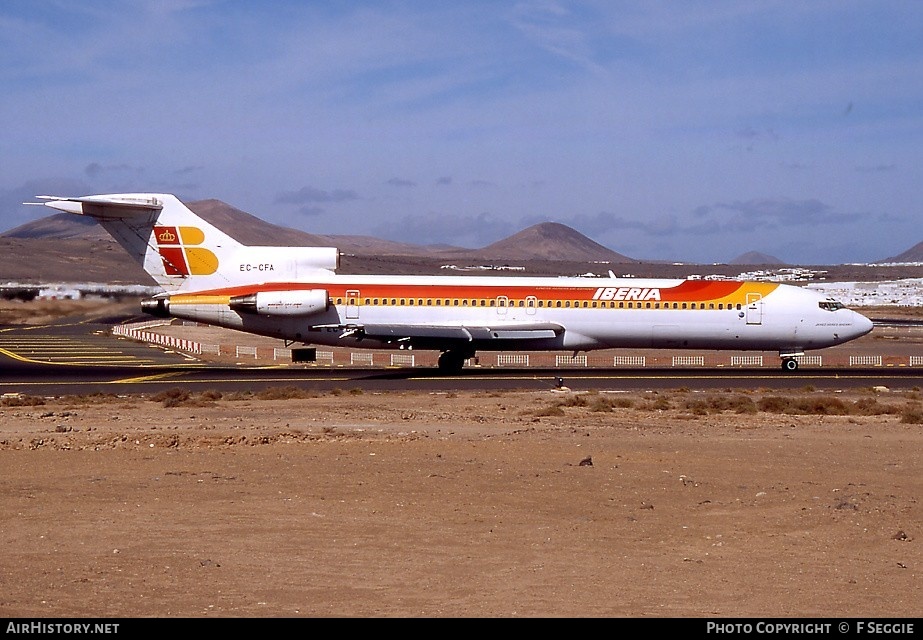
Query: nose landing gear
pixel 789 364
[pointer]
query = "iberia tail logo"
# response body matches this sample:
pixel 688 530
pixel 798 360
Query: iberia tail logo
pixel 180 255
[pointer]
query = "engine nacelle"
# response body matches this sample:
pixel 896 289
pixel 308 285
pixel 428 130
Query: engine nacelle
pixel 158 307
pixel 281 303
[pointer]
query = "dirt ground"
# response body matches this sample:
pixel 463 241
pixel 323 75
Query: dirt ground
pixel 513 504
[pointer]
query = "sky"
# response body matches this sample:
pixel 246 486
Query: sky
pixel 688 131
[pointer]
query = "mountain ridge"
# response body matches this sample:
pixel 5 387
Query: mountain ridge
pixel 73 248
pixel 553 241
pixel 913 254
pixel 756 258
pixel 545 241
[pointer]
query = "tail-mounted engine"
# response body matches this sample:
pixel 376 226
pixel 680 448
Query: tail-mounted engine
pixel 281 303
pixel 157 307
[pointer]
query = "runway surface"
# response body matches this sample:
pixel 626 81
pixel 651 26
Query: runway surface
pixel 75 358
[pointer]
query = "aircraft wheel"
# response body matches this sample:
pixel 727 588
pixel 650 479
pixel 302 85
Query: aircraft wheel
pixel 790 364
pixel 451 362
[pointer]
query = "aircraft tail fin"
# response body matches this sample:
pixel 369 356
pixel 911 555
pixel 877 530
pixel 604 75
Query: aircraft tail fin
pixel 183 252
pixel 173 244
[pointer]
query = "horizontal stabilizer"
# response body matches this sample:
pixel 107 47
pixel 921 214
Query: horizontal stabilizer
pixel 180 250
pixel 110 206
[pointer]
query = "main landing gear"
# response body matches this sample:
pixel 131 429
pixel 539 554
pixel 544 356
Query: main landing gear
pixel 789 364
pixel 451 362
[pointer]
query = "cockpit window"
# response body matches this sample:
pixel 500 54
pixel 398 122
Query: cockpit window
pixel 831 305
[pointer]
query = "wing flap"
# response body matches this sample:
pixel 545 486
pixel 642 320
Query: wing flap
pixel 459 333
pixel 398 331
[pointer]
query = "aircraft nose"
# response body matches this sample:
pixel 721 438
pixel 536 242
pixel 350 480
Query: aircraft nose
pixel 861 325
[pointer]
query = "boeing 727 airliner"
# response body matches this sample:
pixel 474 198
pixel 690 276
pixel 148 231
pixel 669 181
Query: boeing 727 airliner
pixel 295 294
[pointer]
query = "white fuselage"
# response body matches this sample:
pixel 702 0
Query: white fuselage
pixel 591 313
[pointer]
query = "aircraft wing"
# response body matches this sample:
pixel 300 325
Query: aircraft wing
pixel 452 333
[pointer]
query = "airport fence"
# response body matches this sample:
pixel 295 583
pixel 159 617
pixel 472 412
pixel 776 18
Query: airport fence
pixel 140 331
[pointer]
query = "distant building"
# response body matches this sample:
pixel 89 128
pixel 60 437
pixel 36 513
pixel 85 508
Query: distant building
pixel 59 293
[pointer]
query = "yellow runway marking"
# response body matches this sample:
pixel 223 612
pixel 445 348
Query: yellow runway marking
pixel 152 378
pixel 16 356
pixel 90 357
pixel 62 361
pixel 69 352
pixel 56 358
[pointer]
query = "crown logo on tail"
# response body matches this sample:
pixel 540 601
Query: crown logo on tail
pixel 181 259
pixel 166 235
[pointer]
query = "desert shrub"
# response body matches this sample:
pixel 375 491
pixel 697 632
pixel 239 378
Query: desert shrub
pixel 173 397
pixel 283 393
pixel 776 404
pixel 912 414
pixel 174 392
pixel 603 404
pixel 22 400
pixel 825 406
pixel 740 404
pixel 872 407
pixel 238 395
pixel 659 403
pixel 552 410
pixel 697 407
pixel 719 404
pixel 572 401
pixel 92 398
pixel 177 401
pixel 600 404
pixel 179 397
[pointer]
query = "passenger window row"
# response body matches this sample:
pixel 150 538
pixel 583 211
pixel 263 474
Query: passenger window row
pixel 557 304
